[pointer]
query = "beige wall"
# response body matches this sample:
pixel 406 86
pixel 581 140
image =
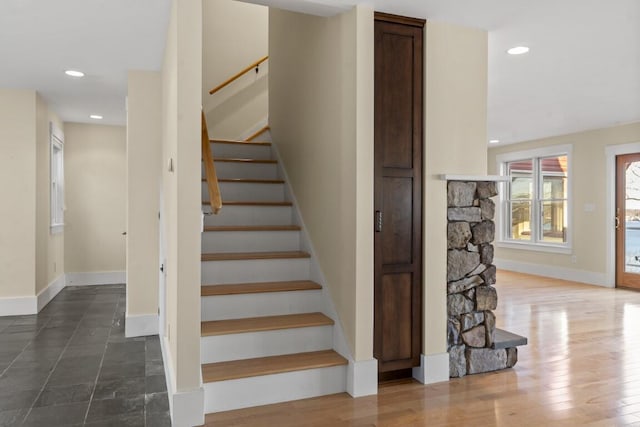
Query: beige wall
pixel 95 196
pixel 589 187
pixel 236 34
pixel 144 133
pixel 49 247
pixel 181 198
pixel 321 115
pixel 455 143
pixel 18 207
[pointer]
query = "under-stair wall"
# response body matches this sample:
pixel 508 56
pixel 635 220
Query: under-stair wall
pixel 321 116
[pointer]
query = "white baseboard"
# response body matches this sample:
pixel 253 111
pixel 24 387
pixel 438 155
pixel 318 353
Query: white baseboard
pixel 18 306
pixel 362 378
pixel 434 368
pixel 186 407
pixel 52 289
pixel 582 276
pixel 141 325
pixel 96 278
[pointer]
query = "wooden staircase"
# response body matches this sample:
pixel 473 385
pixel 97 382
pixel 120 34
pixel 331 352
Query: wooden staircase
pixel 264 336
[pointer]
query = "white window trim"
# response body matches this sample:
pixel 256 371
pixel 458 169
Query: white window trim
pixel 56 138
pixel 501 161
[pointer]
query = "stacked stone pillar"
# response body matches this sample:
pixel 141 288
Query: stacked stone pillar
pixel 471 296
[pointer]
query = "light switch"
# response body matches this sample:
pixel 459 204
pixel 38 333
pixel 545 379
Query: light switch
pixel 589 207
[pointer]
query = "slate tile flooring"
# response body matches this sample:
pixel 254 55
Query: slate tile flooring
pixel 71 365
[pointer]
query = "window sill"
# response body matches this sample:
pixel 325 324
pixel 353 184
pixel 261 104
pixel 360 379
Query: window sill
pixel 536 247
pixel 56 229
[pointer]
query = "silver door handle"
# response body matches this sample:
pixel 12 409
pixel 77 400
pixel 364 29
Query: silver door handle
pixel 378 224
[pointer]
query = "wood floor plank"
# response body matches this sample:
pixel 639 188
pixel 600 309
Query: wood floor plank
pixel 230 141
pixel 237 256
pixel 580 367
pixel 270 365
pixel 264 323
pixel 251 180
pixel 238 160
pixel 252 228
pixel 250 203
pixel 260 287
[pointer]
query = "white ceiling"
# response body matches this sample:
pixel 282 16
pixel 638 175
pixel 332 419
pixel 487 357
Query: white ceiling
pixel 40 39
pixel 583 71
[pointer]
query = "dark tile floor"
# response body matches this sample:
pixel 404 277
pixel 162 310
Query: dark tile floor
pixel 71 365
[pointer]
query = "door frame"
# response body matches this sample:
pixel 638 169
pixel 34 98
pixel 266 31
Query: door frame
pixel 611 152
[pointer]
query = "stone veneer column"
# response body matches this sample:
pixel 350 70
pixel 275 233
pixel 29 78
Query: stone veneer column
pixel 471 296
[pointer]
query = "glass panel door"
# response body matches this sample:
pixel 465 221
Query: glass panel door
pixel 628 220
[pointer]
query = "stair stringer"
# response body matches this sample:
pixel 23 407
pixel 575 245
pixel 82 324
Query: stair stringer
pixel 362 376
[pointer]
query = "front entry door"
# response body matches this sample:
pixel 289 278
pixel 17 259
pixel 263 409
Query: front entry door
pixel 628 220
pixel 398 143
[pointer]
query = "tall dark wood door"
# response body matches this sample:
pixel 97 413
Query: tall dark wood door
pixel 628 221
pixel 398 192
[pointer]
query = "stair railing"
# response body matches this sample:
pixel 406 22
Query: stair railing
pixel 255 65
pixel 210 170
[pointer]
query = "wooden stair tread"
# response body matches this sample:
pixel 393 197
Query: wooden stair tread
pixel 260 287
pixel 252 228
pixel 270 365
pixel 230 141
pixel 250 181
pixel 249 203
pixel 238 256
pixel 239 160
pixel 264 323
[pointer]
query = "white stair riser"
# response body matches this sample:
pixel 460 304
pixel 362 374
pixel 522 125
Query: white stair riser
pixel 251 215
pixel 230 170
pixel 263 390
pixel 222 307
pixel 250 241
pixel 247 192
pixel 251 271
pixel 241 151
pixel 251 345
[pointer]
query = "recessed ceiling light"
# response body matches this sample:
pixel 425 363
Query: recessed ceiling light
pixel 518 50
pixel 74 73
pixel 494 141
pixel 95 117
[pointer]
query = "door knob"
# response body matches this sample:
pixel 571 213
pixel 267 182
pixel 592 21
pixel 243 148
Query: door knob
pixel 378 224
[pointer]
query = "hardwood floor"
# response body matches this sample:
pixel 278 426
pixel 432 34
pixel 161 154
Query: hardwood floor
pixel 581 367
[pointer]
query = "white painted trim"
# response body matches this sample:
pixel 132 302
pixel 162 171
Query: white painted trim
pixel 358 378
pixel 141 325
pixel 186 407
pixel 501 226
pixel 611 152
pixel 18 306
pixel 52 289
pixel 362 378
pixel 96 278
pixel 563 273
pixel 253 129
pixel 536 247
pixel 434 368
pixel 482 178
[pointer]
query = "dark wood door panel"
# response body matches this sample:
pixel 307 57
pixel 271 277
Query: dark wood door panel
pixel 396 316
pixel 397 131
pixel 397 231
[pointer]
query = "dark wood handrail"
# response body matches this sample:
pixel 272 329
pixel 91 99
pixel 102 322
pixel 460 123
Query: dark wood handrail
pixel 240 74
pixel 210 170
